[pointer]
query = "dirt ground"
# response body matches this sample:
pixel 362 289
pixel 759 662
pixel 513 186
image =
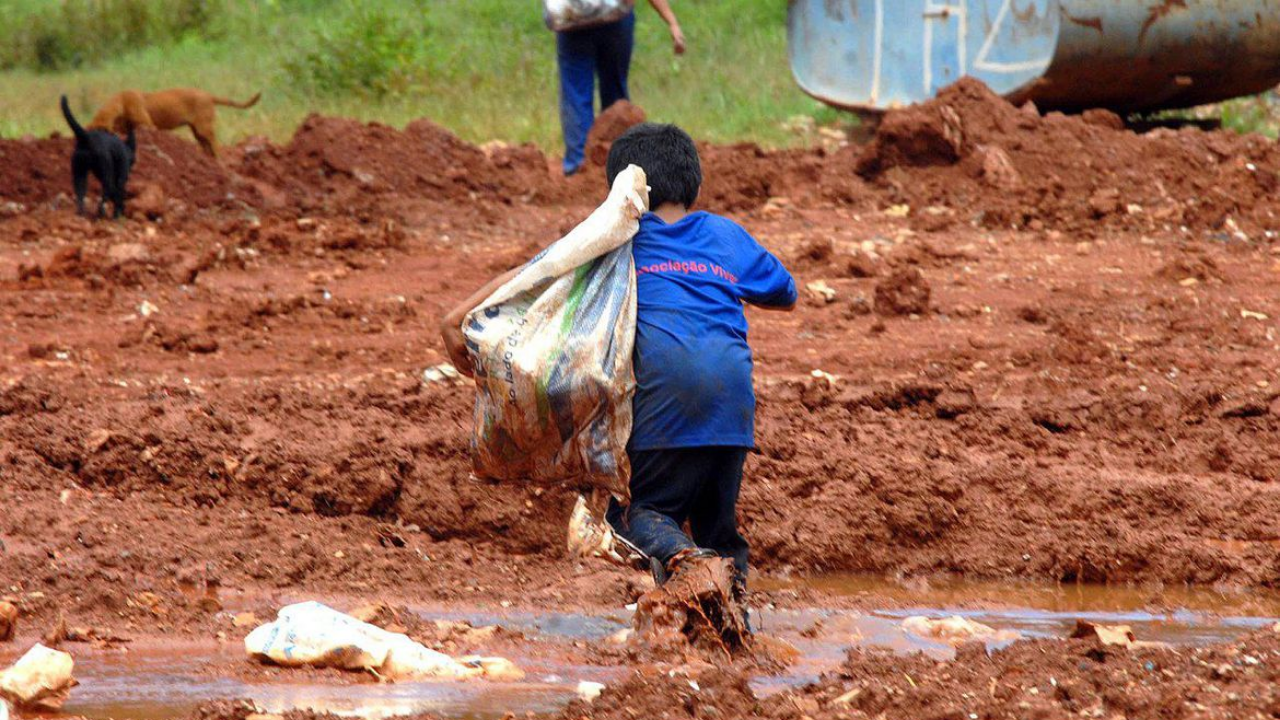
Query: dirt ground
pixel 1050 355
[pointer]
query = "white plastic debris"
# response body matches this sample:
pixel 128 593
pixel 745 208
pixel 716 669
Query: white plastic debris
pixel 621 637
pixel 440 373
pixel 310 633
pixel 592 538
pixel 820 291
pixel 589 691
pixel 824 377
pixel 147 309
pixel 40 680
pixel 955 629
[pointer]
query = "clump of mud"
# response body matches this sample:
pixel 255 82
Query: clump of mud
pixel 696 608
pixel 1191 266
pixel 609 126
pixel 904 292
pixel 713 694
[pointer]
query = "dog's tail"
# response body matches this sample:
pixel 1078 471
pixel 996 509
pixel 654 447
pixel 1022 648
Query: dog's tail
pixel 232 103
pixel 71 120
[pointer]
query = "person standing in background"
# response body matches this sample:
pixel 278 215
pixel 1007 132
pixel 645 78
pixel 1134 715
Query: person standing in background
pixel 595 38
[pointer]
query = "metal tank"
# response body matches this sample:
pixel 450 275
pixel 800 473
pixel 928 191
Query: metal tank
pixel 1125 55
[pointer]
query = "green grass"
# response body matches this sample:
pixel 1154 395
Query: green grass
pixel 1253 114
pixel 483 68
pixel 1258 114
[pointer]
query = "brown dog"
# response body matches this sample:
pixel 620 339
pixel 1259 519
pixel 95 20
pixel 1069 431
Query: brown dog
pixel 166 110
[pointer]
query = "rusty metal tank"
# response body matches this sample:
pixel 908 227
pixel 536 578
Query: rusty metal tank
pixel 1125 55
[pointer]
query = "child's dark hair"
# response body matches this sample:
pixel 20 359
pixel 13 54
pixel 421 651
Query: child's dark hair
pixel 669 160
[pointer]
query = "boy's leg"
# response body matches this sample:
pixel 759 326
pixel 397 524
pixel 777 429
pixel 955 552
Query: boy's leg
pixel 663 483
pixel 576 57
pixel 714 517
pixel 613 59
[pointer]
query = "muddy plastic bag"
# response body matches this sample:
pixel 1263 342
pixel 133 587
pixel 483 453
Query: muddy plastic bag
pixel 552 351
pixel 310 633
pixel 561 15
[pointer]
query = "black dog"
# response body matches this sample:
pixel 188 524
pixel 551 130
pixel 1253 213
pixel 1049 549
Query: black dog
pixel 105 155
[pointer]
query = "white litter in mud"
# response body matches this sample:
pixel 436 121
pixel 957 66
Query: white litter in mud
pixel 589 691
pixel 310 633
pixel 955 630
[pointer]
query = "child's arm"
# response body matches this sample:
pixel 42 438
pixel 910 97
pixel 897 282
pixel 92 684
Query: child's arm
pixel 777 308
pixel 765 283
pixel 455 343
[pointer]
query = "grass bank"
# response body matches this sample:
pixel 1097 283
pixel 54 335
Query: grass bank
pixel 483 68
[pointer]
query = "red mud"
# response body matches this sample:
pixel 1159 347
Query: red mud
pixel 609 126
pixel 1009 167
pixel 231 389
pixel 1028 679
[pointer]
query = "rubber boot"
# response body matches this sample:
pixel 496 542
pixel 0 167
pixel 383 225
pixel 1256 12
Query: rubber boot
pixel 740 597
pixel 661 574
pixel 659 571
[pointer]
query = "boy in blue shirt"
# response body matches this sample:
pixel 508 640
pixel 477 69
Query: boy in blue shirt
pixel 694 407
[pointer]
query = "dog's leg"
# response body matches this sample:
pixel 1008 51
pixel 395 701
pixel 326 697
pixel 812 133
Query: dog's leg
pixel 203 130
pixel 106 178
pixel 79 180
pixel 121 179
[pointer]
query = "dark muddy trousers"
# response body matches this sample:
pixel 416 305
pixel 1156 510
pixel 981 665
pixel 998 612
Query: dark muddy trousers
pixel 669 487
pixel 604 51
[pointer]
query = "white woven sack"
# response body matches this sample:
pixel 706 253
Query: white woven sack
pixel 552 350
pixel 561 15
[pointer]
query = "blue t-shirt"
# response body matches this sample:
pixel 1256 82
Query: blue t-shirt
pixel 692 362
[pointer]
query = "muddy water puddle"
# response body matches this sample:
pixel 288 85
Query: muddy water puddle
pixel 156 684
pixel 1075 598
pixel 152 683
pixel 1179 615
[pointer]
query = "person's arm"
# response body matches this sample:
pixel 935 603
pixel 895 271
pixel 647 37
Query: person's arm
pixel 776 308
pixel 770 286
pixel 669 17
pixel 455 343
pixel 765 282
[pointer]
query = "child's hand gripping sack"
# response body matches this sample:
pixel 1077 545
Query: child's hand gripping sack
pixel 552 353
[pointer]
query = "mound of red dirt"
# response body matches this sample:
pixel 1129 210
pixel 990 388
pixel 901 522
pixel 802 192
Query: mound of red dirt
pixel 181 170
pixel 745 176
pixel 38 171
pixel 34 171
pixel 609 126
pixel 337 161
pixel 970 148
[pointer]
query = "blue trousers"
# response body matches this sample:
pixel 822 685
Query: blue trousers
pixel 669 487
pixel 603 50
